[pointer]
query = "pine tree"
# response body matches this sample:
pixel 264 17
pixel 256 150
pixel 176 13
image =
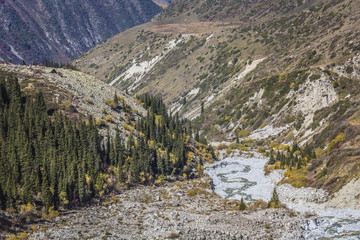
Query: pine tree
pixel 116 99
pixel 202 108
pixel 197 136
pixel 134 165
pixel 242 206
pixel 160 164
pixel 2 199
pixel 47 197
pixel 272 160
pixel 274 201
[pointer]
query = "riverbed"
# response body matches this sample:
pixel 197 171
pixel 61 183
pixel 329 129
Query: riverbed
pixel 239 177
pixel 243 177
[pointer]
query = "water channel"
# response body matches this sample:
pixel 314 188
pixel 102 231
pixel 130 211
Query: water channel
pixel 244 177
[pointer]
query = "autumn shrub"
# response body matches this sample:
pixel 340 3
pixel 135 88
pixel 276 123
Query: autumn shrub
pixel 297 178
pixel 243 133
pixel 110 103
pixel 258 204
pixel 222 146
pixel 20 236
pixel 334 142
pixel 228 151
pixel 89 100
pixel 26 209
pixel 109 118
pixel 50 214
pixel 235 145
pixel 195 191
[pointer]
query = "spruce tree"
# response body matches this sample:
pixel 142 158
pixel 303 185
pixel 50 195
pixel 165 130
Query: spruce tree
pixel 47 197
pixel 242 205
pixel 2 199
pixel 116 99
pixel 272 160
pixel 274 201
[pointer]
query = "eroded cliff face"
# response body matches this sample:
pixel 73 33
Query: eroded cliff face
pixel 37 30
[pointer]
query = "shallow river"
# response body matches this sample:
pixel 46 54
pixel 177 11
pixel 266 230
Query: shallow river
pixel 244 177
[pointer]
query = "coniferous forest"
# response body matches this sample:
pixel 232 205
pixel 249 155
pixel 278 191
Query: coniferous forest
pixel 51 160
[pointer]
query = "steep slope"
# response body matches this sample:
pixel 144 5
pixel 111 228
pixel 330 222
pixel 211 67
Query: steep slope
pixel 77 94
pixel 39 30
pixel 163 3
pixel 253 70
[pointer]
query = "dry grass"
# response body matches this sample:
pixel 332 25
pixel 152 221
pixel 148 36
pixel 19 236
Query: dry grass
pixel 194 27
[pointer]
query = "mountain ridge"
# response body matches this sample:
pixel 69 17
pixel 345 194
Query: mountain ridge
pixel 34 31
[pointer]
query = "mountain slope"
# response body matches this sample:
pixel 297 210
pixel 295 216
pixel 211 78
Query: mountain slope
pixel 76 94
pixel 40 30
pixel 251 69
pixel 67 138
pixel 163 3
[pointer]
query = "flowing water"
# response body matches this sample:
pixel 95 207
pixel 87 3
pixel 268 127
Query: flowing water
pixel 244 177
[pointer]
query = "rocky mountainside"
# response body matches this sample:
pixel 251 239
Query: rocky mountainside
pixel 271 71
pixel 77 95
pixel 39 30
pixel 163 3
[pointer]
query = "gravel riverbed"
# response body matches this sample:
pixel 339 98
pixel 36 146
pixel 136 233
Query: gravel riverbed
pixel 181 210
pixel 238 177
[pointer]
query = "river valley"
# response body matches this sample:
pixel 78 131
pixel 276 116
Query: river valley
pixel 239 177
pixel 208 208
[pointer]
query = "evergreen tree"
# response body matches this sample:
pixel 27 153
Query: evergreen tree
pixel 116 99
pixel 274 201
pixel 242 206
pixel 47 197
pixel 272 160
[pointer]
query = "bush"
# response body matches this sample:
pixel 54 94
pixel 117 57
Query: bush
pixel 334 142
pixel 258 204
pixel 228 151
pixel 234 146
pixel 243 133
pixel 195 191
pixel 22 235
pixel 89 100
pixel 109 118
pixel 51 214
pixel 349 69
pixel 110 103
pixel 27 209
pixel 297 178
pixel 222 146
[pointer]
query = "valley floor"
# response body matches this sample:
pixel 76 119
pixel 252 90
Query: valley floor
pixel 182 210
pixel 192 210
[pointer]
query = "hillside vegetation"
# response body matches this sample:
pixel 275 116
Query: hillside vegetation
pixel 55 157
pixel 277 72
